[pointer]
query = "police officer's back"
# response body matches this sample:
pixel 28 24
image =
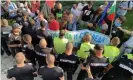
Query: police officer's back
pixel 41 51
pixel 5 31
pixel 68 61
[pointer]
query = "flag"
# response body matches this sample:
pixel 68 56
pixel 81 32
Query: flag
pixel 101 21
pixel 50 3
pixel 111 15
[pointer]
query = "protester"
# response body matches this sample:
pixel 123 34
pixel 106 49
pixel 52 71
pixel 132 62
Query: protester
pixel 111 51
pixel 96 61
pixel 11 8
pixel 34 6
pixel 124 6
pixel 60 42
pixel 68 61
pixel 14 39
pixel 52 21
pixel 22 71
pixel 5 31
pixel 71 25
pixel 128 45
pixel 58 10
pixel 28 49
pixel 87 11
pixel 41 18
pixel 41 51
pixel 51 72
pixel 83 52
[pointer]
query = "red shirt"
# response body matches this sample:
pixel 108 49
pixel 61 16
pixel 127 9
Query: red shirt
pixel 54 25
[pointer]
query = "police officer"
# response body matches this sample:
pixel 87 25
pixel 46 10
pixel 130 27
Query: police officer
pixel 41 51
pixel 22 71
pixel 28 49
pixel 43 33
pixel 96 61
pixel 121 69
pixel 14 39
pixel 5 31
pixel 68 61
pixel 51 72
pixel 111 51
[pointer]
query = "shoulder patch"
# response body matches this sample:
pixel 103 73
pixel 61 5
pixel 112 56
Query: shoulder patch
pixel 42 66
pixel 29 63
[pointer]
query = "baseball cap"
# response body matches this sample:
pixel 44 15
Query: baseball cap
pixel 16 25
pixel 99 47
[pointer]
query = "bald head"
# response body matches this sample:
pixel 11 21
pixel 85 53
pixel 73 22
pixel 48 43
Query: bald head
pixel 50 59
pixel 43 43
pixel 20 57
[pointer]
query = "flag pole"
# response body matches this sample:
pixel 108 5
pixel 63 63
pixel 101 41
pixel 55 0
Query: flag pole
pixel 110 34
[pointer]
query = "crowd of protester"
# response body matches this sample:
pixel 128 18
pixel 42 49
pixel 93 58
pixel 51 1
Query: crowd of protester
pixel 30 43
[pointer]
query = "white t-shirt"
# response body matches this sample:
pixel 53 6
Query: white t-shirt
pixel 76 13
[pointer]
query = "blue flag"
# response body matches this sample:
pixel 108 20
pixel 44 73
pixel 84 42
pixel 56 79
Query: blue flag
pixel 103 14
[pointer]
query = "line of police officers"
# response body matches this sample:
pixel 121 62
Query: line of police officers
pixel 101 59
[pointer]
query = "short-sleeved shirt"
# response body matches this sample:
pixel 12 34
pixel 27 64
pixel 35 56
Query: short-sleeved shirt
pixel 125 4
pixel 68 62
pixel 54 25
pixel 5 31
pixel 41 54
pixel 22 73
pixel 97 65
pixel 122 68
pixel 87 13
pixel 14 39
pixel 51 73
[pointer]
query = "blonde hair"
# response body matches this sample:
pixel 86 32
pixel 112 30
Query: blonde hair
pixel 87 38
pixel 43 43
pixel 115 41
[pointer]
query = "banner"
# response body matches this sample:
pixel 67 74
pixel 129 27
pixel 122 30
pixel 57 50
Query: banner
pixel 76 36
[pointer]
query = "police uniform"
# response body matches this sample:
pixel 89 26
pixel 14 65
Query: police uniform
pixel 68 63
pixel 41 54
pixel 14 40
pixel 28 50
pixel 5 31
pixel 44 34
pixel 22 73
pixel 122 70
pixel 96 64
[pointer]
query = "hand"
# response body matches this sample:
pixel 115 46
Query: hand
pixel 90 25
pixel 18 45
pixel 119 28
pixel 82 67
pixel 88 69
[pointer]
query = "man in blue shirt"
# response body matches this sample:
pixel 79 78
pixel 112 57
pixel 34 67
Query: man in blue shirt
pixel 11 8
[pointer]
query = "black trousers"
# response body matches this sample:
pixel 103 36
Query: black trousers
pixel 69 75
pixel 4 46
pixel 82 75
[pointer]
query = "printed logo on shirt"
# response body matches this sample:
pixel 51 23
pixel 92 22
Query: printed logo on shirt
pixel 41 54
pixel 99 64
pixel 126 68
pixel 66 60
pixel 87 12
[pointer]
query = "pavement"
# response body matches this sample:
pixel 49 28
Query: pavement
pixel 7 62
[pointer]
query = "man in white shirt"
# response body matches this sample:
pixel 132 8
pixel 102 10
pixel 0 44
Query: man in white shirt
pixel 76 12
